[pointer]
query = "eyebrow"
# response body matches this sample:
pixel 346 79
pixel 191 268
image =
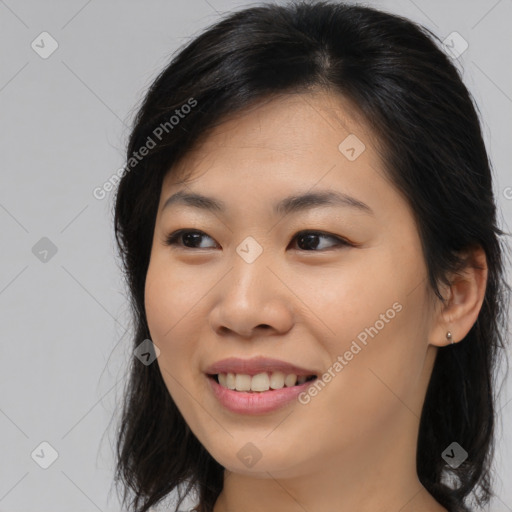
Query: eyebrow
pixel 290 204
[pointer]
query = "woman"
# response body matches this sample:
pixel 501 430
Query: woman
pixel 309 236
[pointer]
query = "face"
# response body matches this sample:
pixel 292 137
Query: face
pixel 331 289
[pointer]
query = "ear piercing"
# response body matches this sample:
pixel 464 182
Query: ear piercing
pixel 449 337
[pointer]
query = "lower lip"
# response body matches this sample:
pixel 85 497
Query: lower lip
pixel 257 402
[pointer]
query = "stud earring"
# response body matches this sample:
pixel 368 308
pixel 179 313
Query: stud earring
pixel 449 337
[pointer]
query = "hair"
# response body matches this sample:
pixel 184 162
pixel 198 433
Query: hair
pixel 408 91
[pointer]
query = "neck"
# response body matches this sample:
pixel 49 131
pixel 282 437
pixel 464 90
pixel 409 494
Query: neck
pixel 365 476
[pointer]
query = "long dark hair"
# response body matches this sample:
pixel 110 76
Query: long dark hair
pixel 409 92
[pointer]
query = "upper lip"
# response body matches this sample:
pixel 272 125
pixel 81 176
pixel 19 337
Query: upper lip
pixel 256 365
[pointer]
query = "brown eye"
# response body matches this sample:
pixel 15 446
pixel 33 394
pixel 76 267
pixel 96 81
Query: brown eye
pixel 186 238
pixel 310 240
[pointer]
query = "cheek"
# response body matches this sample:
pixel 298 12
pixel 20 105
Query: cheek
pixel 171 325
pixel 381 368
pixel 343 302
pixel 159 301
pixel 171 297
pixel 374 341
pixel 166 306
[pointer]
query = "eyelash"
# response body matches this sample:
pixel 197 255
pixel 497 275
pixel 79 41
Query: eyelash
pixel 172 239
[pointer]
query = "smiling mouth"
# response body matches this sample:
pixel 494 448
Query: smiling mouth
pixel 261 382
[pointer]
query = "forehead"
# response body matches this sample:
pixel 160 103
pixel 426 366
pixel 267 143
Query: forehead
pixel 292 131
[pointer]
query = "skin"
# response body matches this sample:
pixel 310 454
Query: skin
pixel 353 446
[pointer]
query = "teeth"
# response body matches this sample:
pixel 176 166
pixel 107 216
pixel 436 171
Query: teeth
pixel 242 382
pixel 290 380
pixel 277 380
pixel 260 382
pixel 230 380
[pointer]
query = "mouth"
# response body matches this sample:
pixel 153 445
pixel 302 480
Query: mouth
pixel 260 382
pixel 258 385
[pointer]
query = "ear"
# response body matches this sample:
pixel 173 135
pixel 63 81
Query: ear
pixel 463 300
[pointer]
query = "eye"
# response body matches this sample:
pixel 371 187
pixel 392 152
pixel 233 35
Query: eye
pixel 187 235
pixel 310 239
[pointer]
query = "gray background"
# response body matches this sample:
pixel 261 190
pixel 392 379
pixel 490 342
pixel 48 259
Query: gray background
pixel 64 122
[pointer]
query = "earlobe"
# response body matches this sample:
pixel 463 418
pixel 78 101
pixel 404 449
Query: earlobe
pixel 464 300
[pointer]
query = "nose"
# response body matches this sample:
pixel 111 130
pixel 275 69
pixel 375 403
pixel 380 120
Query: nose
pixel 252 301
